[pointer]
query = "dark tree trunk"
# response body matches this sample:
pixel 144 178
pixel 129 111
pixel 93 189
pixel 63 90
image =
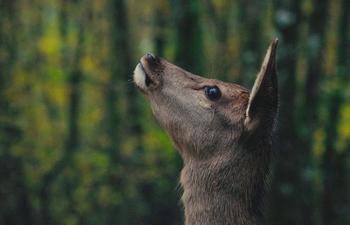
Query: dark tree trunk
pixel 122 124
pixel 73 132
pixel 288 172
pixel 315 69
pixel 15 206
pixel 251 39
pixel 189 41
pixel 334 163
pixel 160 24
pixel 220 20
pixel 121 71
pixel 328 164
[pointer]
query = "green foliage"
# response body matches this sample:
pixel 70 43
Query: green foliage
pixel 79 144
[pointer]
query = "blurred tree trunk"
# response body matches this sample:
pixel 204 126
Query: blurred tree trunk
pixel 251 39
pixel 221 20
pixel 75 76
pixel 121 72
pixel 334 162
pixel 189 38
pixel 341 169
pixel 122 125
pixel 315 71
pixel 113 118
pixel 288 170
pixel 308 116
pixel 328 162
pixel 226 57
pixel 15 206
pixel 160 25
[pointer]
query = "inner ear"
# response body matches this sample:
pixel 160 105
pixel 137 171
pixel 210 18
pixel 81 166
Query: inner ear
pixel 263 100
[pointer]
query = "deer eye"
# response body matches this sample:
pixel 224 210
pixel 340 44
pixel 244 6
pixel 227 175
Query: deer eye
pixel 212 92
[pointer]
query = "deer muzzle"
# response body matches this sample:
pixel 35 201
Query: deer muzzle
pixel 146 73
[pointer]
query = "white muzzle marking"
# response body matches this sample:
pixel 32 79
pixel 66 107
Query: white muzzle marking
pixel 140 77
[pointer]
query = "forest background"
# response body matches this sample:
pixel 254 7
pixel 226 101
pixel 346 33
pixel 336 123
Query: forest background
pixel 79 145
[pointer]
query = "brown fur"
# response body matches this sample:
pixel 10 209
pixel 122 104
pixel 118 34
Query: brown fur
pixel 225 144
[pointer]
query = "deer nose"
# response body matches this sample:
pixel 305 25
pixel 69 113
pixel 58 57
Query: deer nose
pixel 152 60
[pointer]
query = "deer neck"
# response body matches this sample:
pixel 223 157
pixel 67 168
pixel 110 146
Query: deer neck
pixel 224 190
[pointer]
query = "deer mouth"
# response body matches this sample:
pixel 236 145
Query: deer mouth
pixel 148 79
pixel 141 78
pixel 144 76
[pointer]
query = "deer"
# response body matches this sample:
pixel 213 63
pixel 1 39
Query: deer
pixel 223 133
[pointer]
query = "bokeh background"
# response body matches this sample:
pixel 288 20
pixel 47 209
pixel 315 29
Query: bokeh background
pixel 79 145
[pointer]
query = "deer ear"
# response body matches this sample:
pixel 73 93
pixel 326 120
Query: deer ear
pixel 263 100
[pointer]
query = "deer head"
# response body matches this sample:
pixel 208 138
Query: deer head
pixel 223 133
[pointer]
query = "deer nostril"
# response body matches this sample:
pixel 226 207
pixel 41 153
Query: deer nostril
pixel 150 55
pixel 154 60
